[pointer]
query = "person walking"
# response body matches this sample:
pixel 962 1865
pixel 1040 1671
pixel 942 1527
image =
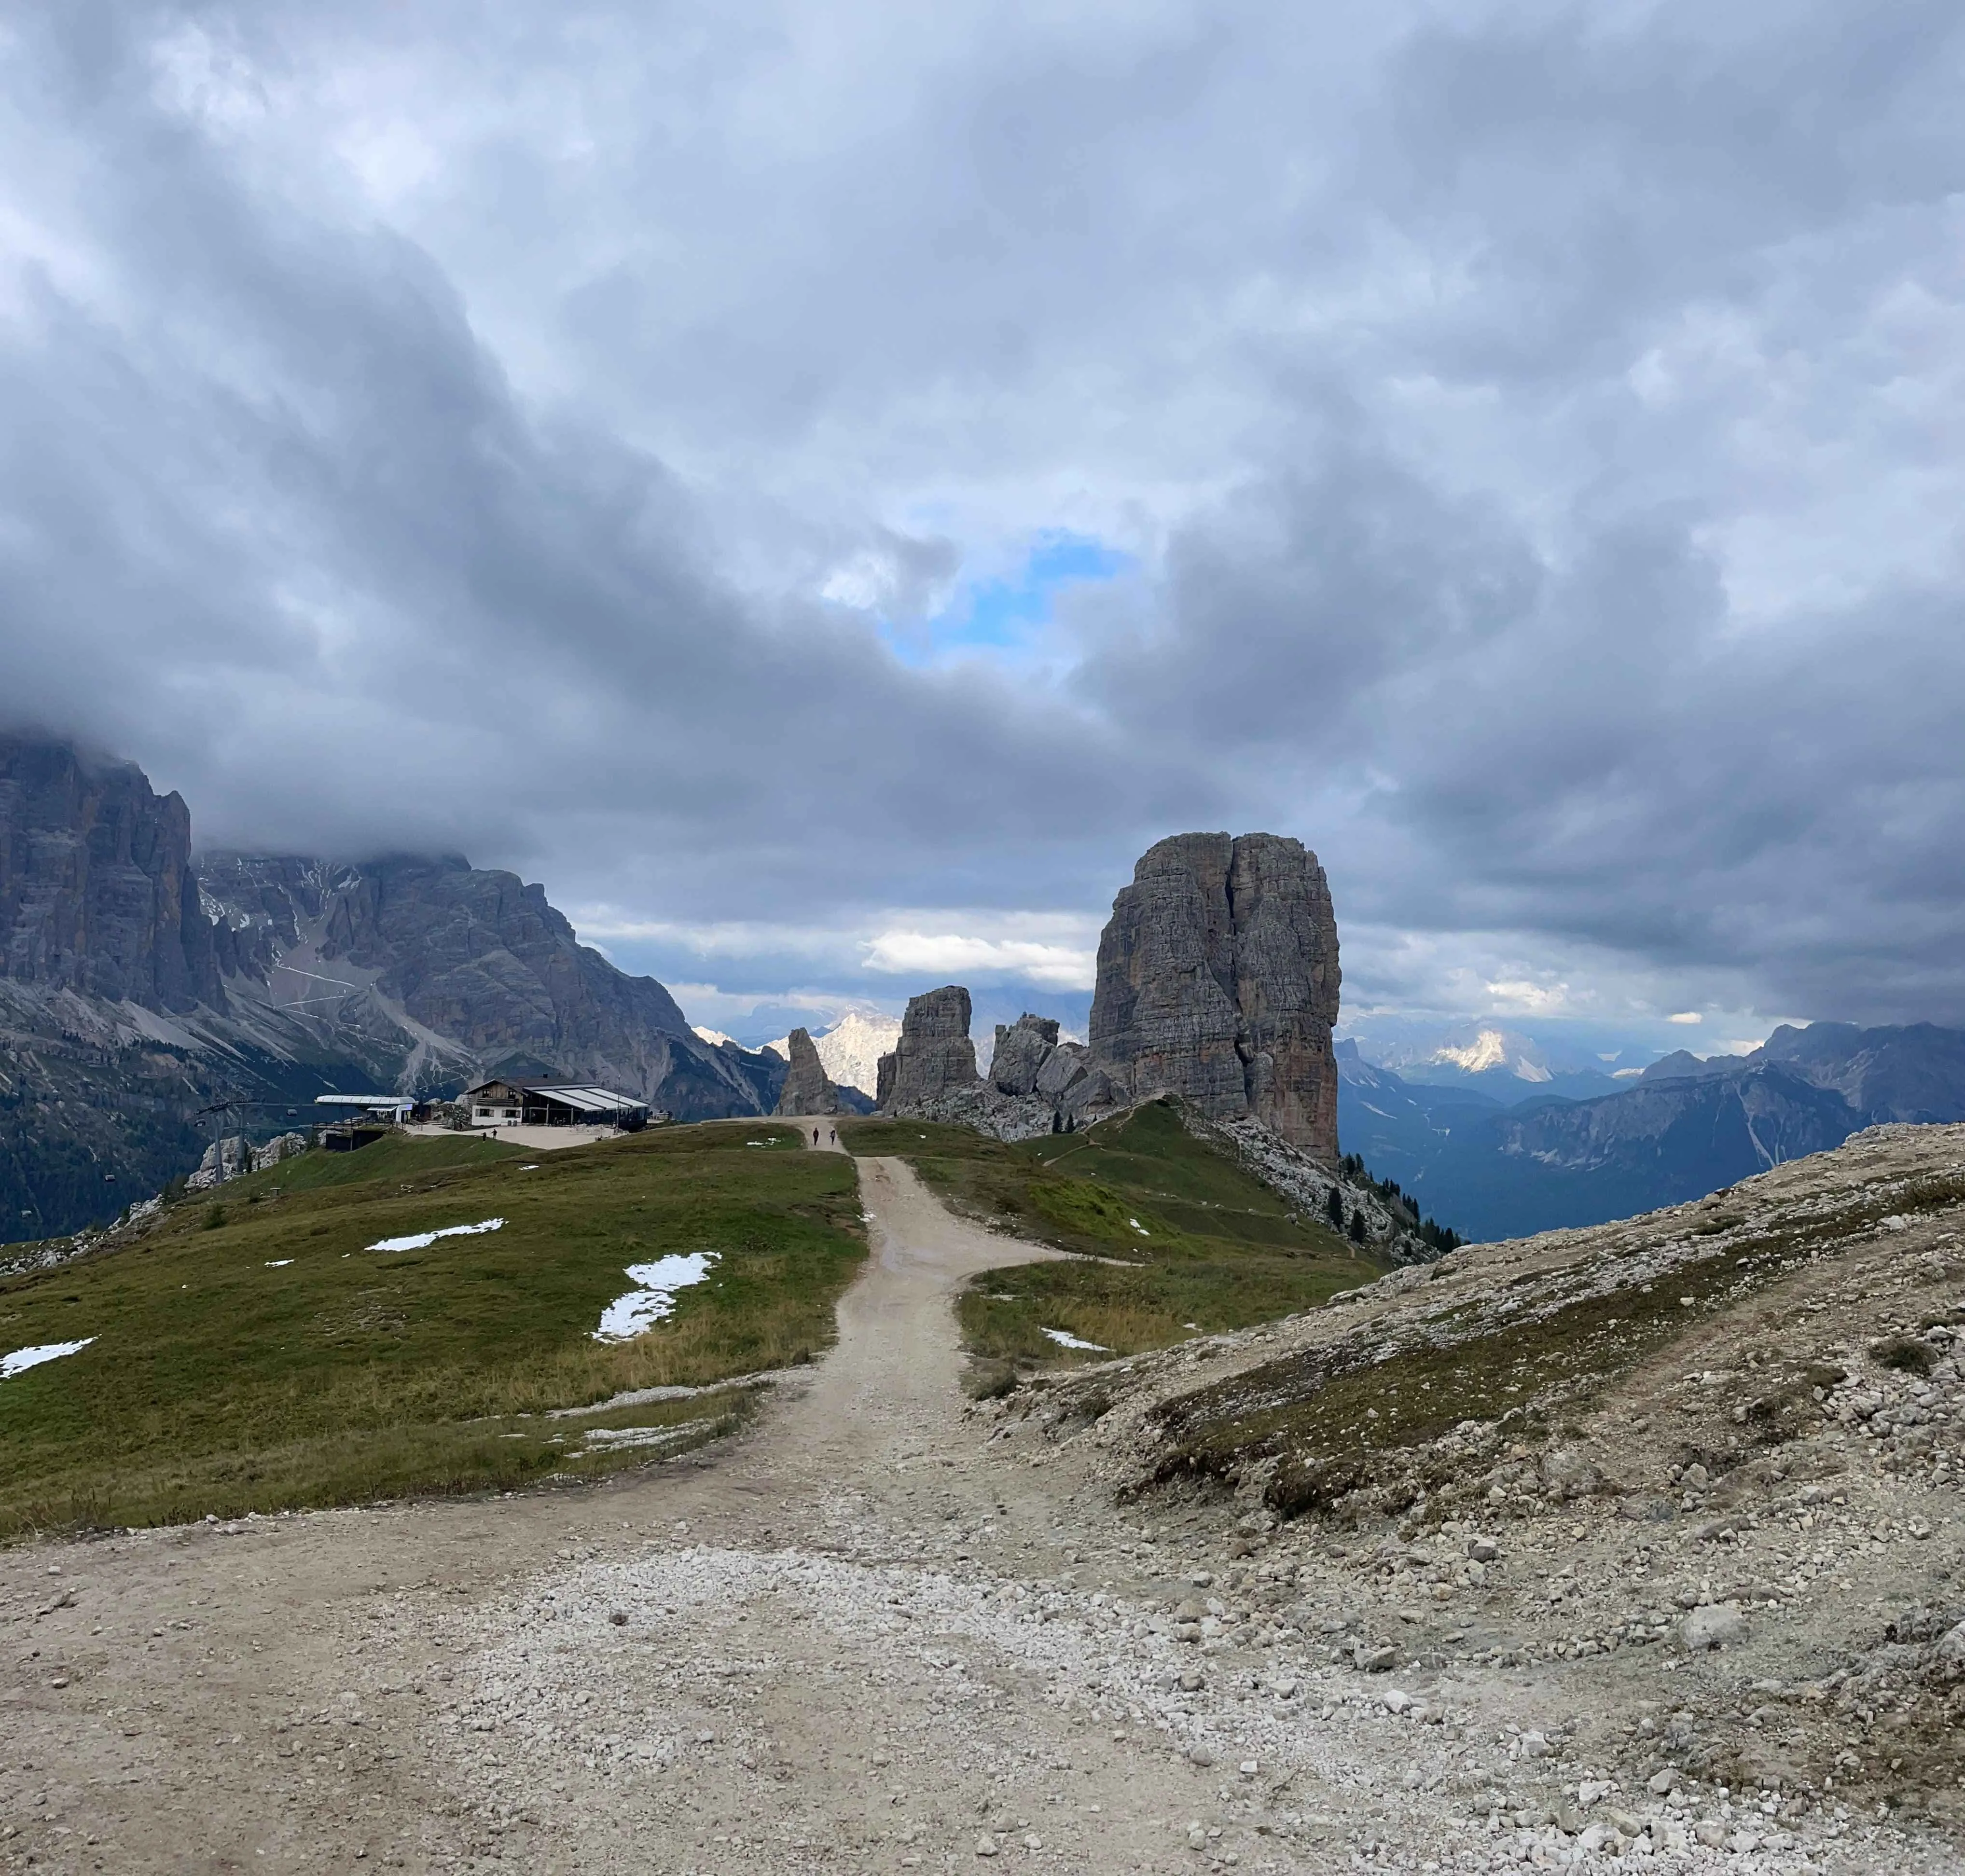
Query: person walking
pixel 814 1136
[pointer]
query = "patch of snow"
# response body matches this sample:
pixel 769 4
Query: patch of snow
pixel 1140 1228
pixel 278 1263
pixel 417 1239
pixel 533 1167
pixel 605 1438
pixel 715 1038
pixel 640 1310
pixel 1065 1339
pixel 23 1358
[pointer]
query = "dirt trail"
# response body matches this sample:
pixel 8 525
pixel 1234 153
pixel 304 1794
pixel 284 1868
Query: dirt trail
pixel 294 1691
pixel 878 1631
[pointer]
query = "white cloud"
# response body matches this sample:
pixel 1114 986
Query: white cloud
pixel 1685 1015
pixel 956 956
pixel 1518 996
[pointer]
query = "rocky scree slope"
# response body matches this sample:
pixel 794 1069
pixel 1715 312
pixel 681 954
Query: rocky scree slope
pixel 1676 1501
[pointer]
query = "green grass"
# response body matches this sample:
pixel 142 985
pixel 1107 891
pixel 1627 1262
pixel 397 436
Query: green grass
pixel 396 1156
pixel 217 1383
pixel 1199 1243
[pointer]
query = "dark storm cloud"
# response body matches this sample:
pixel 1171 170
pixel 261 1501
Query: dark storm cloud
pixel 1528 432
pixel 282 529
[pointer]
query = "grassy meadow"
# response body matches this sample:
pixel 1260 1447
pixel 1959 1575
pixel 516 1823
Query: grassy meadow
pixel 1188 1240
pixel 250 1353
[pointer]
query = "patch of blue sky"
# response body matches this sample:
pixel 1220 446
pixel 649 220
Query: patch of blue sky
pixel 1007 614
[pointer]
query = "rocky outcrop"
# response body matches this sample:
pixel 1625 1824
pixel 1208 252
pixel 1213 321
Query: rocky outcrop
pixel 1218 982
pixel 933 1056
pixel 1022 1049
pixel 808 1089
pixel 234 1156
pixel 97 892
pixel 1037 1084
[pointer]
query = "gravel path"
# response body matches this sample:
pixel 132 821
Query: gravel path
pixel 881 1631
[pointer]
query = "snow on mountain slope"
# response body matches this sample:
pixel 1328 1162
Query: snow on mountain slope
pixel 1489 1050
pixel 852 1049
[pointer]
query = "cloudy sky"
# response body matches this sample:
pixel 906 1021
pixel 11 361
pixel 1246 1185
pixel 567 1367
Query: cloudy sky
pixel 823 485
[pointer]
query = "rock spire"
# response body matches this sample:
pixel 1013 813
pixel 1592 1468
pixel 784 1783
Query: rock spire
pixel 1218 982
pixel 933 1056
pixel 808 1089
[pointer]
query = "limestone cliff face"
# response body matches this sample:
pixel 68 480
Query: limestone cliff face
pixel 97 893
pixel 462 971
pixel 1218 981
pixel 933 1056
pixel 808 1089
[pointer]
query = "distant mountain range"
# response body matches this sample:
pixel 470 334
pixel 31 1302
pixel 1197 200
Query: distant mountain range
pixel 137 985
pixel 850 1050
pixel 1685 1127
pixel 1502 1064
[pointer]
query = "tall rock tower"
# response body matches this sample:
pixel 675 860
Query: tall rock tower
pixel 1218 981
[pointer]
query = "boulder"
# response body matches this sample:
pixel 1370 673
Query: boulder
pixel 1566 1473
pixel 1713 1625
pixel 1950 1650
pixel 934 1056
pixel 808 1089
pixel 1218 982
pixel 1022 1049
pixel 1064 1068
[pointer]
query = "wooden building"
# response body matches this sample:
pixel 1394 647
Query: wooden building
pixel 505 1102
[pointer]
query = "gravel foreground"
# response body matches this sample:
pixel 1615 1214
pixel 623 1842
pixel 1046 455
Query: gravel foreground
pixel 887 1629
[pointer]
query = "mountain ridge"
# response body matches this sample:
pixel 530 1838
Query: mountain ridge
pixel 140 981
pixel 1495 1171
